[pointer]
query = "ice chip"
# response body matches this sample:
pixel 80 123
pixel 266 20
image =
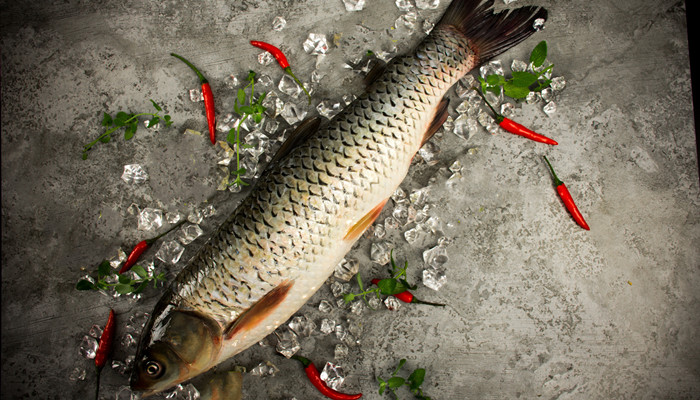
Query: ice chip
pixel 333 375
pixel 538 24
pixel 327 326
pixel 196 95
pixel 278 23
pixel 263 369
pixel 265 58
pixel 195 216
pixel 456 166
pixel 357 307
pixel 346 269
pixel 547 94
pixel 88 347
pixel 302 325
pixel 341 351
pixel 374 302
pixel 328 108
pixel 406 23
pixel 392 303
pixel 558 83
pixel 435 257
pixel 354 5
pixel 434 278
pixel 150 219
pixel 316 43
pixel 518 66
pixel 292 113
pixel 287 343
pixel 340 332
pixel 428 26
pixel 379 231
pixel 170 252
pixel 288 86
pixel 189 233
pixel 429 152
pixel 134 173
pixel 209 211
pixel 550 108
pixel 79 374
pixel 404 5
pixel 491 68
pixel 427 4
pixel 507 110
pixel 379 252
pixel 325 306
pixel 257 143
pixel 231 81
pixel 95 331
pixel 128 340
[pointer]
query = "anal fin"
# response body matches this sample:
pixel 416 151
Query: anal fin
pixel 261 310
pixel 360 226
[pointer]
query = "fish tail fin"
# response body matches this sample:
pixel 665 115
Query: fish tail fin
pixel 490 33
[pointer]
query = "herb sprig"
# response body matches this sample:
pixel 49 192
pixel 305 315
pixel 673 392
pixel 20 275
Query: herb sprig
pixel 255 110
pixel 123 284
pixel 522 82
pixel 388 287
pixel 414 382
pixel 129 121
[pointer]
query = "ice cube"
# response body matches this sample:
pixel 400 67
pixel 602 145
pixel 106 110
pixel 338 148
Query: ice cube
pixel 316 43
pixel 287 343
pixel 134 173
pixel 427 4
pixel 189 233
pixel 333 375
pixel 354 5
pixel 434 278
pixel 150 219
pixel 278 23
pixel 170 252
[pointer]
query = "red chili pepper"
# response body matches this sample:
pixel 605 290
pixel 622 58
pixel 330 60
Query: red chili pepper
pixel 143 246
pixel 104 348
pixel 315 378
pixel 566 198
pixel 281 60
pixel 208 98
pixel 407 297
pixel 514 127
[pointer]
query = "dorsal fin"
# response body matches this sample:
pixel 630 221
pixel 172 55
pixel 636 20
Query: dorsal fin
pixel 438 120
pixel 374 73
pixel 260 310
pixel 305 129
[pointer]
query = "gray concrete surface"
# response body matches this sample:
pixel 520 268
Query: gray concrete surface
pixel 537 307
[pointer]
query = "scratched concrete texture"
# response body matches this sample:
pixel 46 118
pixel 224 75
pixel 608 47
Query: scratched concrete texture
pixel 536 306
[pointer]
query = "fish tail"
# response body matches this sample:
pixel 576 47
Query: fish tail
pixel 490 34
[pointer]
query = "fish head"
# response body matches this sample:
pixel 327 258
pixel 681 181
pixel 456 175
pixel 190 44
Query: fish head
pixel 175 347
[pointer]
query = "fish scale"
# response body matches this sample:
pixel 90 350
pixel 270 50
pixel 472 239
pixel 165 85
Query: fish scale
pixel 310 206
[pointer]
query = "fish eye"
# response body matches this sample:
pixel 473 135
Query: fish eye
pixel 154 369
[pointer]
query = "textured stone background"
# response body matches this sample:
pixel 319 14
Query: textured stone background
pixel 537 307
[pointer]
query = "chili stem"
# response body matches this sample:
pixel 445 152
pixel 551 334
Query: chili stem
pixel 557 182
pixel 201 77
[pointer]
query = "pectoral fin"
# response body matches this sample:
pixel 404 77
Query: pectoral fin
pixel 360 226
pixel 261 310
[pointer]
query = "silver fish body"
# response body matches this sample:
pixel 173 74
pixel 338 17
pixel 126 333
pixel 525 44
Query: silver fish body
pixel 303 215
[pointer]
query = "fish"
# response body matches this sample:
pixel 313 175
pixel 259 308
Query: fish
pixel 321 191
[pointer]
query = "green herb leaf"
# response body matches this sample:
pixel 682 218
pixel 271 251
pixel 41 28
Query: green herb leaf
pixel 140 287
pixel 106 120
pixel 85 285
pixel 251 75
pixel 416 379
pixel 246 109
pixel 523 79
pixel 382 385
pixel 85 155
pixel 395 382
pixel 155 105
pixel 105 138
pixel 140 271
pixel 104 269
pixel 495 80
pixel 153 122
pixel 241 96
pixel 131 130
pixel 516 92
pixel 231 137
pixel 121 118
pixel 539 54
pixel 123 288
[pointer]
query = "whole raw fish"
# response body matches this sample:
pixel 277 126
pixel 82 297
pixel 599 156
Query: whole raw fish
pixel 315 199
